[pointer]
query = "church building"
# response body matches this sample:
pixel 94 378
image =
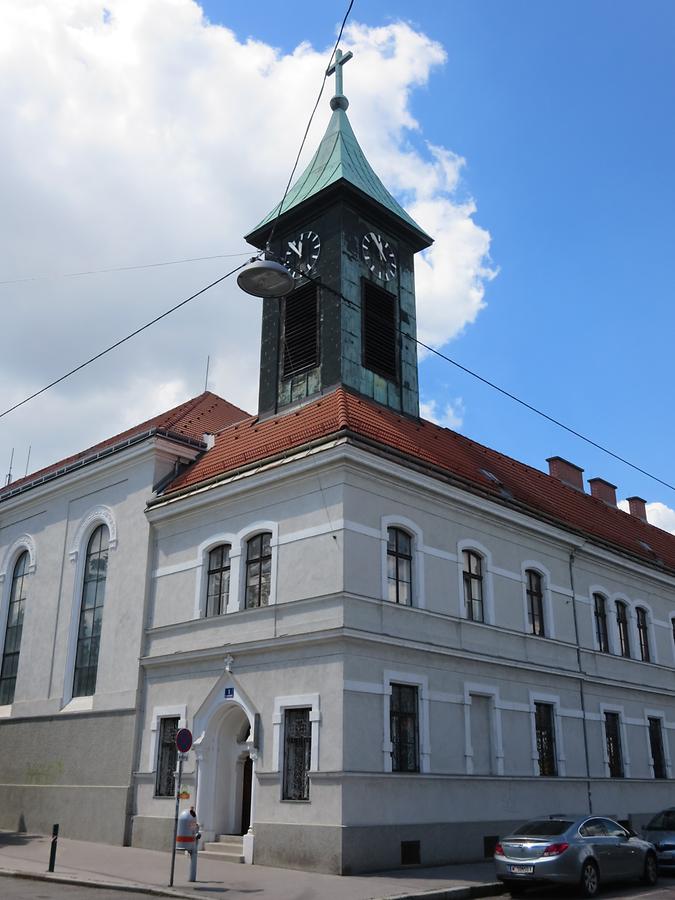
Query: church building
pixel 390 643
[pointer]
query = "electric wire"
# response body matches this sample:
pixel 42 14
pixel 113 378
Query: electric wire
pixel 171 262
pixel 496 387
pixel 121 341
pixel 309 123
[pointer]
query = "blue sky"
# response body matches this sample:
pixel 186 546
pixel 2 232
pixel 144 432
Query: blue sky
pixel 562 112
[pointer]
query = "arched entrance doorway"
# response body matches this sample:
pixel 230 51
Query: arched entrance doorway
pixel 232 793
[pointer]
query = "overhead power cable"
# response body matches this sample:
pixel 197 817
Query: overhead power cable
pixel 121 341
pixel 157 265
pixel 501 390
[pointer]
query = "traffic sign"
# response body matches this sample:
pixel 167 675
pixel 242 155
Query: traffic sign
pixel 184 740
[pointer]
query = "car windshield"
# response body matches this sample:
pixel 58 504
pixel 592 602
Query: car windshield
pixel 544 827
pixel 665 821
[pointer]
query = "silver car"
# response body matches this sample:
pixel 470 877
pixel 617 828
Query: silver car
pixel 586 851
pixel 661 832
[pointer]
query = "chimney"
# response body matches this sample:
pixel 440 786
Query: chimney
pixel 566 472
pixel 638 508
pixel 603 490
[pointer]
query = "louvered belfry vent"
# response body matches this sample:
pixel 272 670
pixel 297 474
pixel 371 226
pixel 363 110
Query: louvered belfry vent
pixel 301 330
pixel 379 331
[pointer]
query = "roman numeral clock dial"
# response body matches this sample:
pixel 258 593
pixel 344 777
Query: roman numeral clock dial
pixel 302 253
pixel 379 256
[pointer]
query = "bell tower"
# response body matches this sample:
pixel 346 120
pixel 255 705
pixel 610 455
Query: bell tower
pixel 350 318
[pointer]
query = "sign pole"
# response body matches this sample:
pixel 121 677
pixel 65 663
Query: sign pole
pixel 181 757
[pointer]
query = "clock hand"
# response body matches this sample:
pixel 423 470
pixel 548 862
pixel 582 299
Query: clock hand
pixel 291 244
pixel 378 244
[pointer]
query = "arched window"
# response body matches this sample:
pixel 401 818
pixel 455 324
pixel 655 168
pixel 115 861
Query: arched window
pixel 535 602
pixel 258 570
pixel 473 585
pixel 399 566
pixel 622 626
pixel 643 634
pixel 600 614
pixel 91 613
pixel 218 584
pixel 10 654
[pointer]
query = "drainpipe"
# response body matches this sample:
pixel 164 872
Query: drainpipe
pixel 582 694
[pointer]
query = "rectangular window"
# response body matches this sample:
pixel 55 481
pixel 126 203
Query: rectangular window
pixel 167 757
pixel 656 745
pixel 613 738
pixel 622 625
pixel 380 344
pixel 600 610
pixel 473 585
pixel 643 634
pixel 297 754
pixel 301 330
pixel 403 724
pixel 545 730
pixel 535 603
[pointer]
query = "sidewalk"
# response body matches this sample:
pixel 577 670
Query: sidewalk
pixel 128 868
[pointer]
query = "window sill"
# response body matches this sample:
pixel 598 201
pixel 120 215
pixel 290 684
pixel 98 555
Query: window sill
pixel 6 711
pixel 79 704
pixel 294 801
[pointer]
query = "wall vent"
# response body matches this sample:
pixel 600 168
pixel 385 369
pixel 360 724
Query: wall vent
pixel 380 331
pixel 410 853
pixel 300 338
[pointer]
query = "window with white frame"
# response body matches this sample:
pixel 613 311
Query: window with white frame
pixel 13 629
pixel 655 726
pixel 613 744
pixel 399 566
pixel 167 756
pixel 91 613
pixel 218 580
pixel 622 628
pixel 404 728
pixel 472 576
pixel 544 724
pixel 297 753
pixel 643 633
pixel 258 570
pixel 535 602
pixel 600 615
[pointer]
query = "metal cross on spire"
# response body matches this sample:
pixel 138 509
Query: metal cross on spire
pixel 340 60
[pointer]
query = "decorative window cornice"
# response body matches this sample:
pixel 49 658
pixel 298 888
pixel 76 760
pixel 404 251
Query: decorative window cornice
pixel 99 515
pixel 25 542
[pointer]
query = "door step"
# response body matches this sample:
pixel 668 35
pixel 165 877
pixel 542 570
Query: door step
pixel 226 847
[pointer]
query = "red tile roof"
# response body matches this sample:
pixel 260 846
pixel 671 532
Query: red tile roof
pixel 508 481
pixel 206 413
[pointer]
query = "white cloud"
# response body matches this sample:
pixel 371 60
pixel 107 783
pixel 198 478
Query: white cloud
pixel 144 133
pixel 449 415
pixel 657 514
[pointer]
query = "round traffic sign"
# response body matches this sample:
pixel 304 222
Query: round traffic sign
pixel 184 740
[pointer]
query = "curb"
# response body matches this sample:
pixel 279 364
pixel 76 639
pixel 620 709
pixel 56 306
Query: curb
pixel 88 882
pixel 488 889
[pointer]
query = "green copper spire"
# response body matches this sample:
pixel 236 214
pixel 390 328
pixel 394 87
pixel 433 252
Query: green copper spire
pixel 340 158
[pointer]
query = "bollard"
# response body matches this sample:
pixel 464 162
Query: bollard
pixel 52 851
pixel 193 860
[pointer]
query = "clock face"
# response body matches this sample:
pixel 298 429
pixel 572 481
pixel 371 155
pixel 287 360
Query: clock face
pixel 379 256
pixel 302 253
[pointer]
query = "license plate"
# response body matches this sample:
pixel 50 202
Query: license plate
pixel 521 870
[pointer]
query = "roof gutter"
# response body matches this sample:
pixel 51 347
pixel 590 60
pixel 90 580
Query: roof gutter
pixel 102 454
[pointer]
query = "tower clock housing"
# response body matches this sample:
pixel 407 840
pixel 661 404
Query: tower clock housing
pixel 350 319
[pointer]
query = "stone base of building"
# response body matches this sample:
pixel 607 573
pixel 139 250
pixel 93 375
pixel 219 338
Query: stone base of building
pixel 152 832
pixel 82 812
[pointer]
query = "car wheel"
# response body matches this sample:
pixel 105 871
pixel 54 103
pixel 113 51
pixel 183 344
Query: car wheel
pixel 651 873
pixel 590 879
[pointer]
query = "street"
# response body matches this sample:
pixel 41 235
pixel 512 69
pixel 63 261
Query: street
pixel 28 889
